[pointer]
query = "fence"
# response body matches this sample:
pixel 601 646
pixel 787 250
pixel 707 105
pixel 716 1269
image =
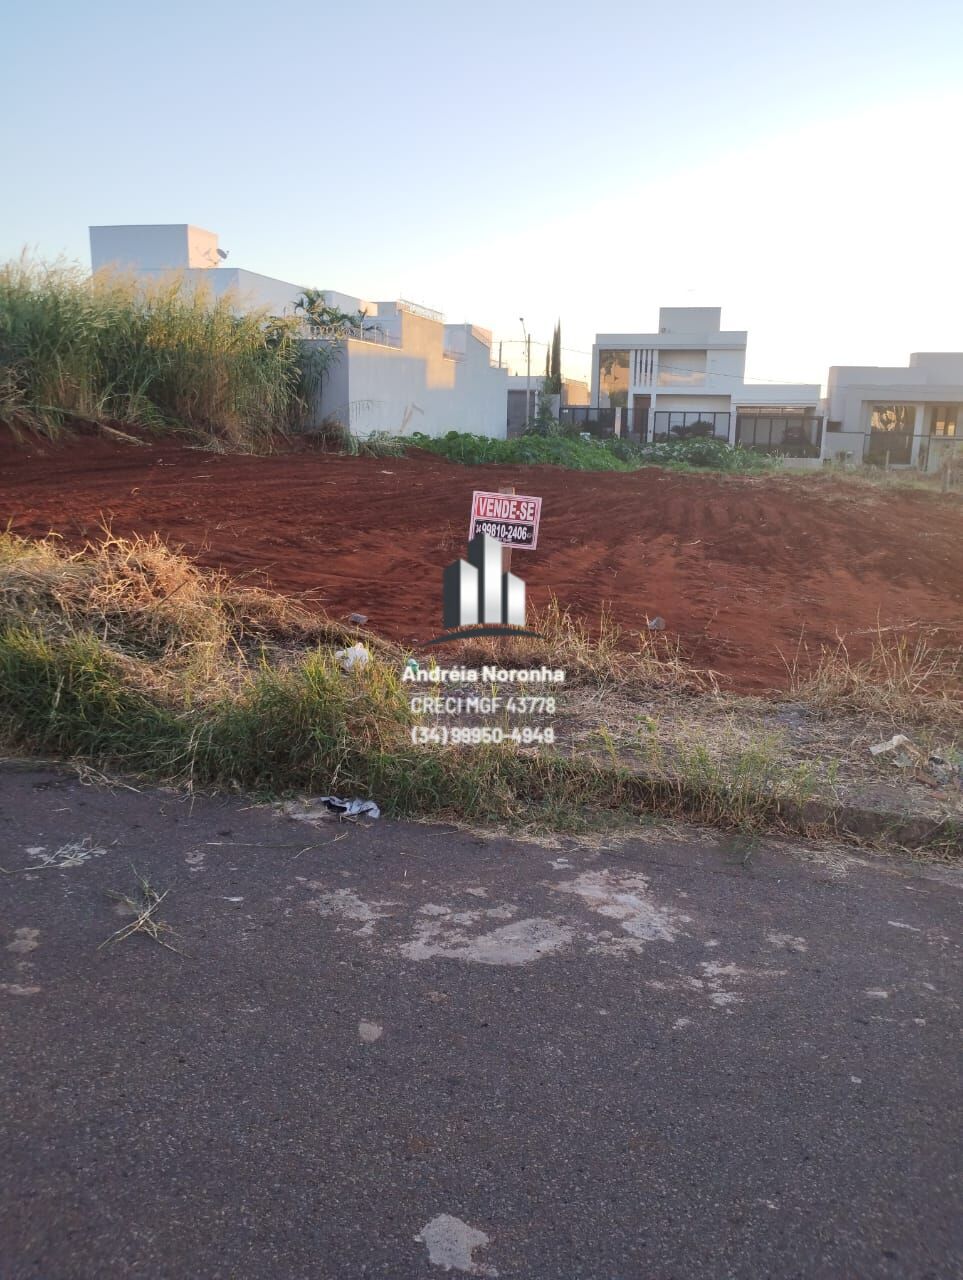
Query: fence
pixel 895 449
pixel 681 424
pixel 788 435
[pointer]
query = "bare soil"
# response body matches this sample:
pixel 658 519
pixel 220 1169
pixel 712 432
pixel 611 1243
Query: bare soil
pixel 742 569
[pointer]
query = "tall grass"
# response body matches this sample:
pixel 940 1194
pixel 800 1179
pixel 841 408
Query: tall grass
pixel 114 349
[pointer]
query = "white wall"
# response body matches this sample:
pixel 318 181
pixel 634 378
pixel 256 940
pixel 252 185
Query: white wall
pixel 160 247
pixel 252 291
pixel 255 290
pixel 877 379
pixel 939 366
pixel 800 394
pixel 153 247
pixel 347 302
pixel 725 367
pixel 417 387
pixel 686 320
pixel 690 403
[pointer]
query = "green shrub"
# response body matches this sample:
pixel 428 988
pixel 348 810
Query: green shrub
pixel 593 454
pixel 308 726
pixel 73 698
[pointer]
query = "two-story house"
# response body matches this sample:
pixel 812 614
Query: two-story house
pixel 688 379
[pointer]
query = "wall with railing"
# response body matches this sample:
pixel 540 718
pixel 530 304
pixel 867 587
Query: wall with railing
pixel 918 450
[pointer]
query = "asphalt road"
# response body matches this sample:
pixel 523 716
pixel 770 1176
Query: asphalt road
pixel 391 1049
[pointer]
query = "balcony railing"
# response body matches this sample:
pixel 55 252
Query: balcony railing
pixel 416 309
pixel 339 332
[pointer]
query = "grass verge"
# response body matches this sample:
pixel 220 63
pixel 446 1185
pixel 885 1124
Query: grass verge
pixel 129 657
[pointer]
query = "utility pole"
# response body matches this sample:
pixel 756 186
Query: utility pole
pixel 528 370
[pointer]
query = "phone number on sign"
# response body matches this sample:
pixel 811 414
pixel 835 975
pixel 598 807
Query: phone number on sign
pixel 475 735
pixel 522 533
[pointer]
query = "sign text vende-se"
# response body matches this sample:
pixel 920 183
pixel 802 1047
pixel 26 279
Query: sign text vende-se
pixel 511 518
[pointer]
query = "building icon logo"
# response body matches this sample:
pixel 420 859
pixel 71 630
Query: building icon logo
pixel 478 594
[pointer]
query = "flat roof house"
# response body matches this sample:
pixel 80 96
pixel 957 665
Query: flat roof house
pixel 155 250
pixel 897 416
pixel 402 369
pixel 688 379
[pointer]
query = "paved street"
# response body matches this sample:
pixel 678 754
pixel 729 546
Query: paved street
pixel 393 1049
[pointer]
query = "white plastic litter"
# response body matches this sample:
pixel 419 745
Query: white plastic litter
pixel 351 808
pixel 324 808
pixel 356 656
pixel 898 740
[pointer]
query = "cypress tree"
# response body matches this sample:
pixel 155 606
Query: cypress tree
pixel 555 374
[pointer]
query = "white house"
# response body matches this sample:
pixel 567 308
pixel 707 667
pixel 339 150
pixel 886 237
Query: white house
pixel 403 369
pixel 688 379
pixel 152 252
pixel 408 370
pixel 896 416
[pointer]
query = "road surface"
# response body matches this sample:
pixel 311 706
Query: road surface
pixel 388 1050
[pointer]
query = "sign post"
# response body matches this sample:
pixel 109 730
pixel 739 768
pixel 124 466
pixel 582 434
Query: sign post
pixel 509 492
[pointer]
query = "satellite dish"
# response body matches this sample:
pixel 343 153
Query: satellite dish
pixel 222 253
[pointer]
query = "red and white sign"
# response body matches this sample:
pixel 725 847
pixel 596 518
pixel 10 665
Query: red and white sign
pixel 510 518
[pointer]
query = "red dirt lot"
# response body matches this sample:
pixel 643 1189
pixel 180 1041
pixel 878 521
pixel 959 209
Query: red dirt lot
pixel 738 568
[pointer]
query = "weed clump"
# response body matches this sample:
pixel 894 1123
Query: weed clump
pixel 907 679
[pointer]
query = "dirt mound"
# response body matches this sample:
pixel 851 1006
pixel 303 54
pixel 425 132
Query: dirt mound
pixel 739 568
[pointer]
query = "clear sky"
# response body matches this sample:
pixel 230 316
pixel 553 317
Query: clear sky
pixel 799 164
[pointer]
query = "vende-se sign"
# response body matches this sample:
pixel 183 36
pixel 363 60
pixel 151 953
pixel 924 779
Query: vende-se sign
pixel 511 518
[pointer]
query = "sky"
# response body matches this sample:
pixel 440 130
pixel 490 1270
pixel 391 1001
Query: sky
pixel 798 165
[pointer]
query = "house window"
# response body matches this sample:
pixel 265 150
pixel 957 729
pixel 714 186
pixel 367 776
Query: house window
pixel 945 419
pixel 893 417
pixel 614 377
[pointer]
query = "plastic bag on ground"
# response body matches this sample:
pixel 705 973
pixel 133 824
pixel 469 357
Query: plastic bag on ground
pixel 356 656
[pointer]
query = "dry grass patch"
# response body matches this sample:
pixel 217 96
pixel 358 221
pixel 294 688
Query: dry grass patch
pixel 601 656
pixel 906 679
pixel 143 600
